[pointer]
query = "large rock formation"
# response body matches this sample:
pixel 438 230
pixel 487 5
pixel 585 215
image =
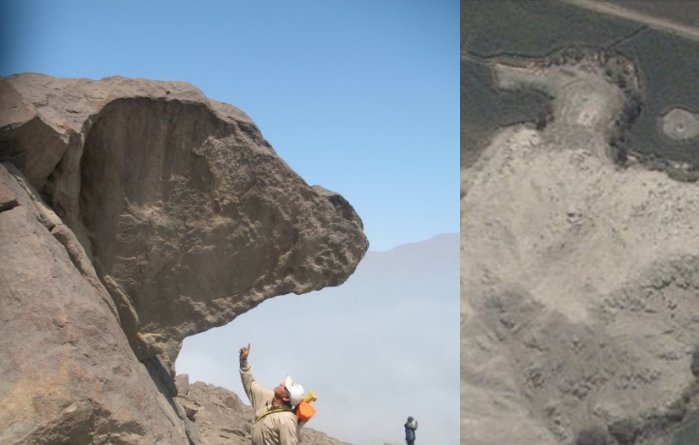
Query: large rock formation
pixel 68 375
pixel 134 213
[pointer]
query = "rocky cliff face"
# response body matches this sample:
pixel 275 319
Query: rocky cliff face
pixel 133 214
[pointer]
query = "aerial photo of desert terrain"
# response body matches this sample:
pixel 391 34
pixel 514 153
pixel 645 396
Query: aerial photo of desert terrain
pixel 579 234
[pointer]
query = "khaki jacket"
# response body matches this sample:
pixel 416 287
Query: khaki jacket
pixel 277 428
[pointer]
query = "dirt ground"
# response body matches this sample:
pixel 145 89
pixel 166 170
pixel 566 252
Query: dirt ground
pixel 578 312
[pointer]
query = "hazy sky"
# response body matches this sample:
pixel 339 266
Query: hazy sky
pixel 358 96
pixel 379 348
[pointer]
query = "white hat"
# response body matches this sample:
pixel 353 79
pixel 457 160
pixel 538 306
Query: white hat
pixel 296 392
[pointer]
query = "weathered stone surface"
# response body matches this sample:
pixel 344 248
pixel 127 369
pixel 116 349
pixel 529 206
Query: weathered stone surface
pixel 132 214
pixel 67 373
pixel 8 199
pixel 223 419
pixel 186 212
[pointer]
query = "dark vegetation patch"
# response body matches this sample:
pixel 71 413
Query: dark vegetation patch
pixel 485 108
pixel 621 71
pixel 535 28
pixel 669 68
pixel 522 29
pixel 667 65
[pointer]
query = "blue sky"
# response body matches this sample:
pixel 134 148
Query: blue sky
pixel 360 97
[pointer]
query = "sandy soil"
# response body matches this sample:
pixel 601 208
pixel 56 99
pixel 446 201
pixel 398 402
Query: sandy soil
pixel 578 282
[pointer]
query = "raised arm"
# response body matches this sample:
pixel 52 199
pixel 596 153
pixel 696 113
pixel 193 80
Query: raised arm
pixel 243 355
pixel 245 372
pixel 256 393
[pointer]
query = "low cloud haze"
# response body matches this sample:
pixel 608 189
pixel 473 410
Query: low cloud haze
pixel 379 348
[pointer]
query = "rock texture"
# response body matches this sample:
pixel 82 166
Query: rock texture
pixel 187 213
pixel 134 213
pixel 68 373
pixel 223 419
pixel 580 317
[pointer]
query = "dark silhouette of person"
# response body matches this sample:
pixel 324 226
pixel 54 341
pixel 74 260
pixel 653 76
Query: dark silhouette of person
pixel 410 427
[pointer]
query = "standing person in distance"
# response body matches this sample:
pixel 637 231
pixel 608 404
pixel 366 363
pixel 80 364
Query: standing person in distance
pixel 410 427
